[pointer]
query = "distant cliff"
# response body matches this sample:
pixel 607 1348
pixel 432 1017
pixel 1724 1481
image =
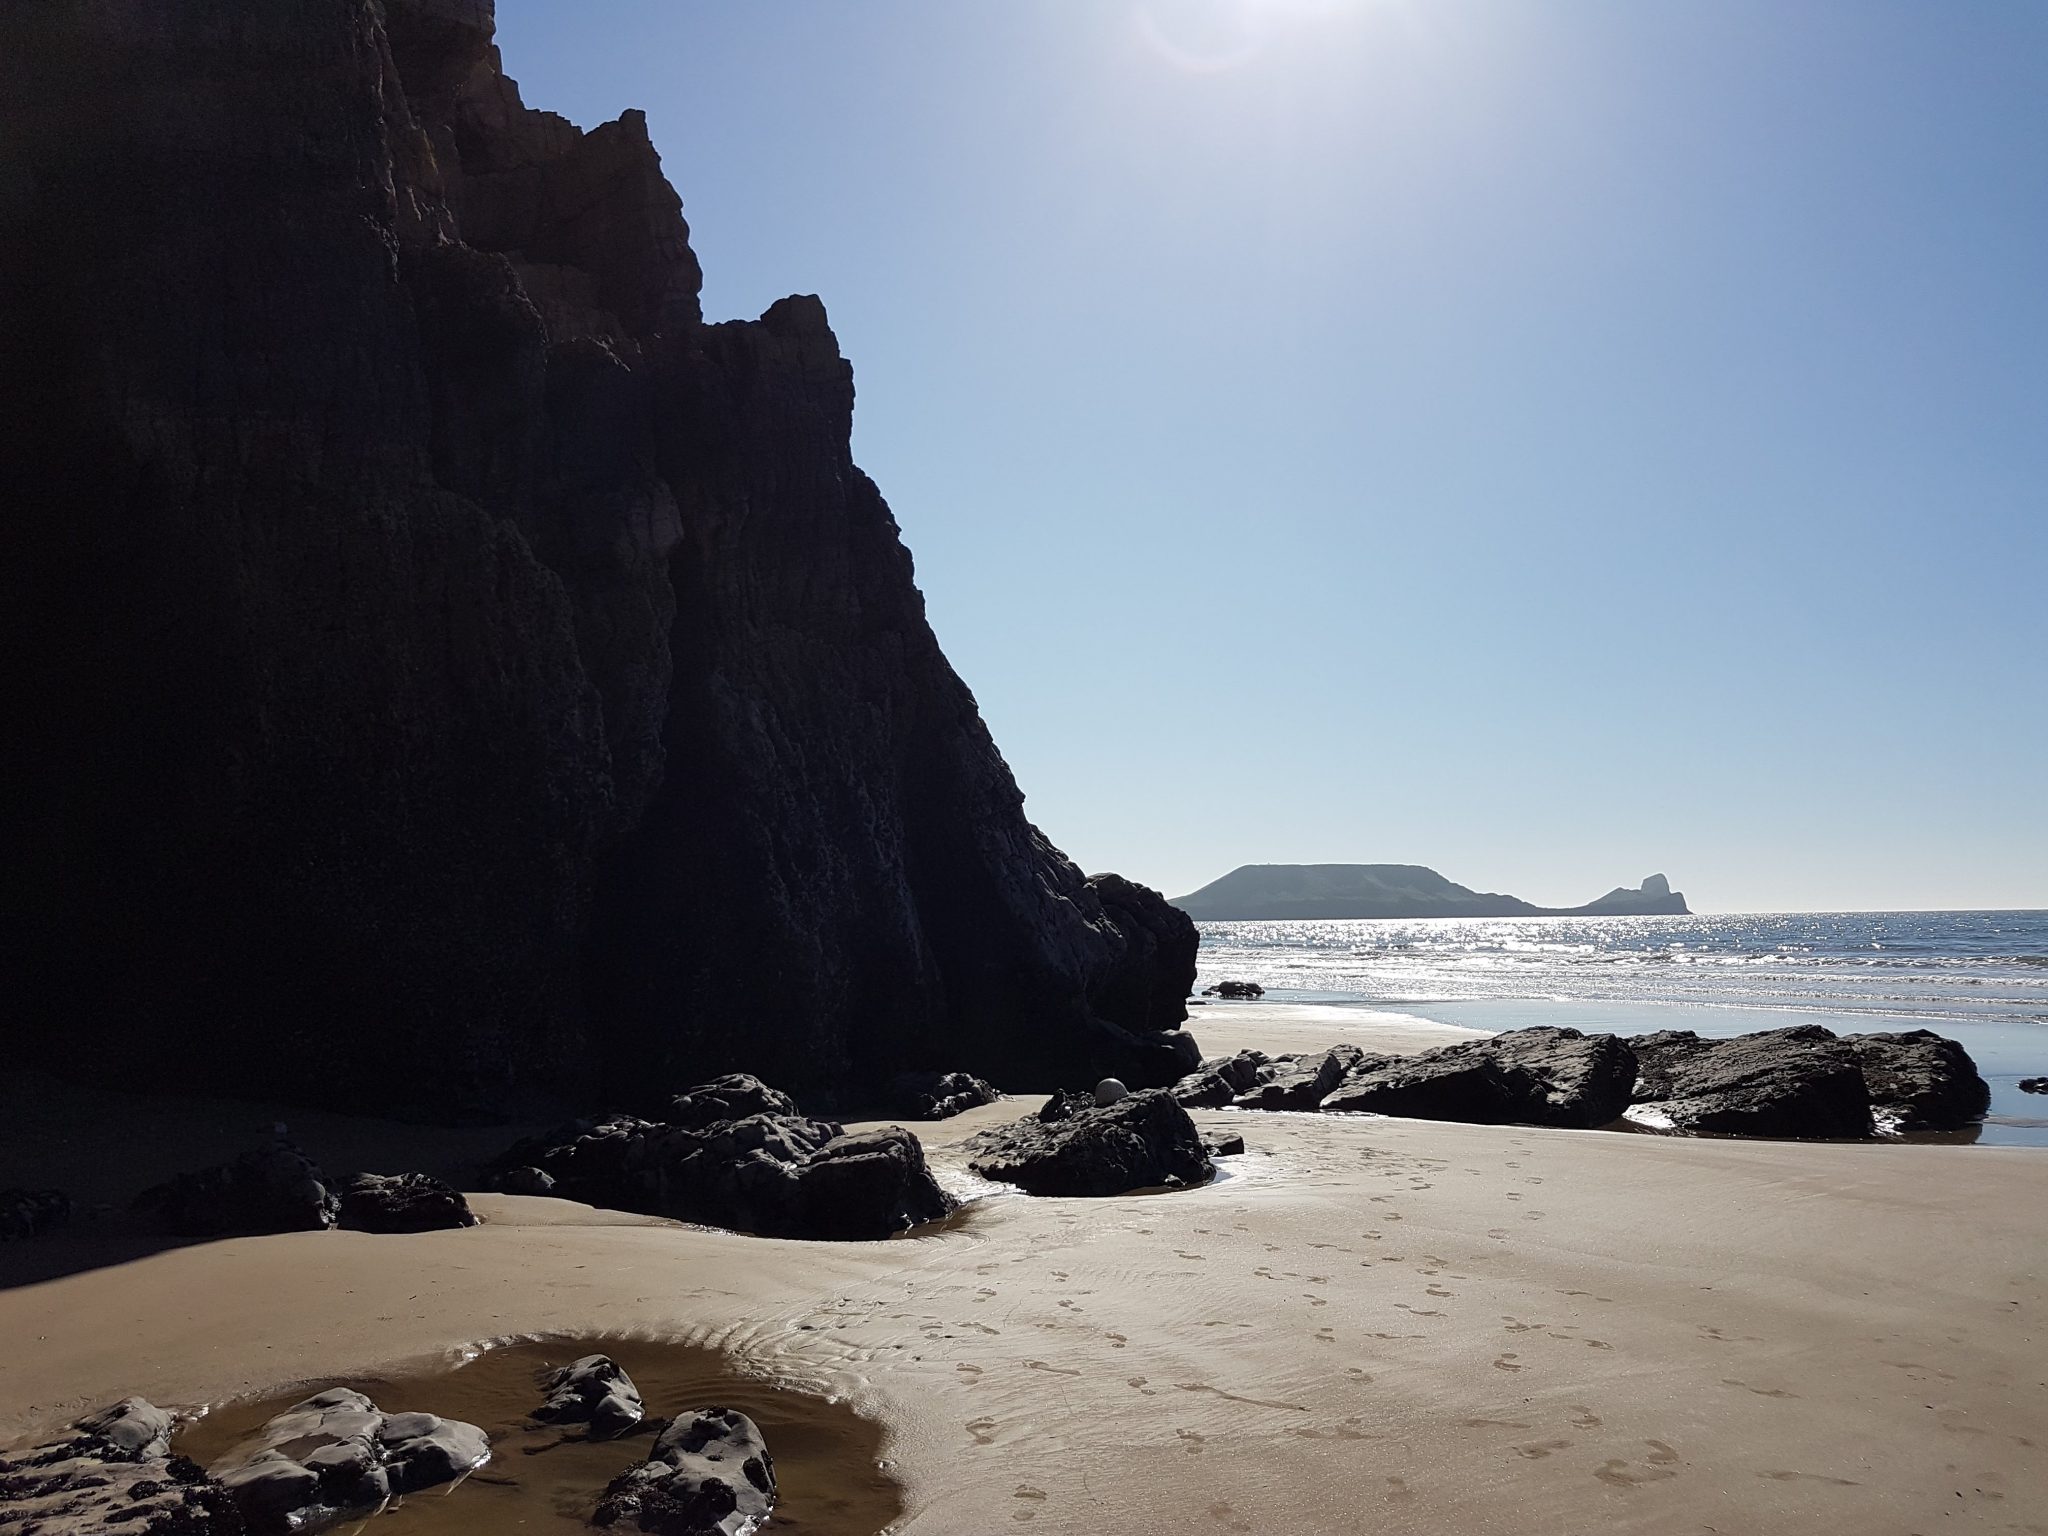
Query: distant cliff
pixel 1393 890
pixel 443 668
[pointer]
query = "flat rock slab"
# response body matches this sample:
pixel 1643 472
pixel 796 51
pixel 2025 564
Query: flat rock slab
pixel 709 1474
pixel 1145 1141
pixel 115 1473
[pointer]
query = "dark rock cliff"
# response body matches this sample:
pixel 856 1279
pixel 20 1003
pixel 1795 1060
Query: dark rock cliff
pixel 442 667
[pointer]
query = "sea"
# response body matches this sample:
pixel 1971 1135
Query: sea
pixel 1981 977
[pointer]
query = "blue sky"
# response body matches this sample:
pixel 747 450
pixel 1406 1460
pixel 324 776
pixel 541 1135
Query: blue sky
pixel 1550 442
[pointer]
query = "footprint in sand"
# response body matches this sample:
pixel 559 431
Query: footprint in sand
pixel 1492 1424
pixel 1223 1514
pixel 1050 1370
pixel 971 1372
pixel 983 1430
pixel 1116 1340
pixel 1034 1496
pixel 1437 1291
pixel 1586 1418
pixel 1730 1381
pixel 1182 1253
pixel 1536 1450
pixel 1397 1489
pixel 1497 1233
pixel 1416 1311
pixel 1506 1363
pixel 1139 1383
pixel 1190 1441
pixel 1809 1477
pixel 1357 1374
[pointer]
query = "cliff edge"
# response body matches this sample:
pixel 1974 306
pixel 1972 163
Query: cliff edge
pixel 447 671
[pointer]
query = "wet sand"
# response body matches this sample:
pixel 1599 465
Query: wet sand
pixel 1378 1325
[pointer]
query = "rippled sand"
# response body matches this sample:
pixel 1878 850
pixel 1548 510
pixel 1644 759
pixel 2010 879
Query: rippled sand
pixel 1378 1325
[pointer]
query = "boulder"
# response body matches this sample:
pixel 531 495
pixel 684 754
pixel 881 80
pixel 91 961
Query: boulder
pixel 2034 1085
pixel 276 1188
pixel 1109 1090
pixel 402 1202
pixel 1241 990
pixel 709 1474
pixel 523 1181
pixel 1299 1081
pixel 732 1097
pixel 1798 1082
pixel 32 1212
pixel 114 1473
pixel 1143 1141
pixel 1438 1085
pixel 939 1095
pixel 335 1457
pixel 1222 1143
pixel 1580 1080
pixel 1216 1082
pixel 594 1390
pixel 775 1175
pixel 1919 1081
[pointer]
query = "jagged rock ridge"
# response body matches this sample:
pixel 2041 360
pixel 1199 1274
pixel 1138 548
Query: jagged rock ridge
pixel 447 667
pixel 1282 891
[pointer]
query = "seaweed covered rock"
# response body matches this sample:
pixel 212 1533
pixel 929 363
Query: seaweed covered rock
pixel 115 1473
pixel 335 1457
pixel 1798 1082
pixel 594 1390
pixel 32 1212
pixel 1919 1081
pixel 402 1202
pixel 274 1188
pixel 940 1095
pixel 709 1474
pixel 778 1175
pixel 1144 1141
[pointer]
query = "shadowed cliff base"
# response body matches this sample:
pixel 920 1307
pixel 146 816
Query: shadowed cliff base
pixel 450 675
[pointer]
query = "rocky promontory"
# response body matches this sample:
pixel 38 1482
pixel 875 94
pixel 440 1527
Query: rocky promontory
pixel 446 671
pixel 1276 892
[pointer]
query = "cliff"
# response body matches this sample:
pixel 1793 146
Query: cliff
pixel 445 669
pixel 1285 891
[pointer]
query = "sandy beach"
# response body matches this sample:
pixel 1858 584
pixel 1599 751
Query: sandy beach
pixel 1367 1324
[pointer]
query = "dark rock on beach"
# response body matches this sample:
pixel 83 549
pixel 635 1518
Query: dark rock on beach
pixel 274 1188
pixel 2034 1085
pixel 336 1457
pixel 1297 1082
pixel 1219 1081
pixel 32 1212
pixel 939 1095
pixel 1143 1141
pixel 732 1097
pixel 402 1202
pixel 1222 1143
pixel 594 1390
pixel 115 1473
pixel 1919 1081
pixel 1239 990
pixel 1798 1082
pixel 416 613
pixel 1541 1076
pixel 523 1180
pixel 709 1474
pixel 774 1175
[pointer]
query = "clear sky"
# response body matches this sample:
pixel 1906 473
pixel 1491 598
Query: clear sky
pixel 1547 441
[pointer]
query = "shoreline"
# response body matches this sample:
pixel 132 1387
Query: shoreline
pixel 1498 1329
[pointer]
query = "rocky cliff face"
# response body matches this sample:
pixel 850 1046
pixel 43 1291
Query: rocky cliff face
pixel 446 668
